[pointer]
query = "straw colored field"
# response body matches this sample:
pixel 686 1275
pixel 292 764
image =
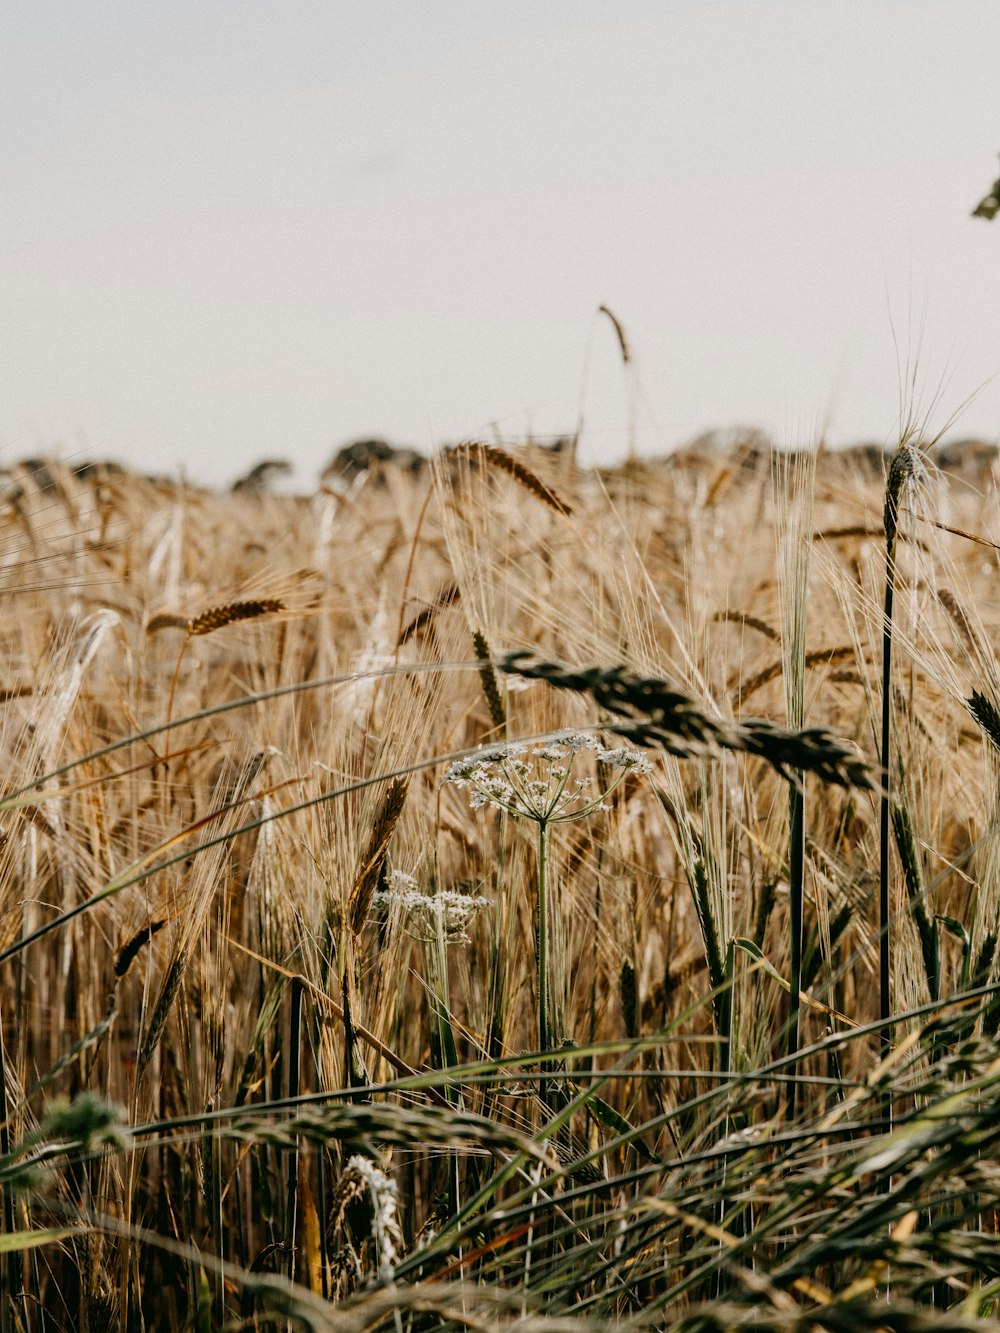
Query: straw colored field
pixel 308 985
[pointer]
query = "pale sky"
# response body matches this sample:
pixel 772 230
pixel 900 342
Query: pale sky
pixel 235 230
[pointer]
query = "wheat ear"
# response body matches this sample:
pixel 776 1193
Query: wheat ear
pixel 505 462
pixel 216 617
pixel 423 618
pixel 161 1012
pixel 654 712
pixel 373 857
pixel 227 614
pixel 491 690
pixel 741 618
pixel 128 952
pixel 622 340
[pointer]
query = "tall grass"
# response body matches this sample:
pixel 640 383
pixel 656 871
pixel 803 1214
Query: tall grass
pixel 293 1036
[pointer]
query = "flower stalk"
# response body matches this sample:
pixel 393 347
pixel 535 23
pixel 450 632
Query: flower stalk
pixel 538 784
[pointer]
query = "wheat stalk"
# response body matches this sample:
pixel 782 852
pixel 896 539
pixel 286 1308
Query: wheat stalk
pixel 793 580
pixel 902 472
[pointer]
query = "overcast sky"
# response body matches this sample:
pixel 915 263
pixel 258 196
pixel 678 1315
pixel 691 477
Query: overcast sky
pixel 234 230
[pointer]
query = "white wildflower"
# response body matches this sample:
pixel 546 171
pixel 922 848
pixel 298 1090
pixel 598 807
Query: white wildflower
pixel 400 882
pixel 550 754
pixel 539 783
pixel 462 771
pixel 577 740
pixel 493 791
pixel 633 761
pixel 385 1212
pixel 453 911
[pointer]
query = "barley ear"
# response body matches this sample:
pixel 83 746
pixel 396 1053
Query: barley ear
pixel 161 1012
pixel 902 467
pixel 167 621
pixel 960 620
pixel 987 715
pixel 654 713
pixel 128 952
pixel 491 690
pixel 505 462
pixel 230 612
pixel 622 340
pixel 373 857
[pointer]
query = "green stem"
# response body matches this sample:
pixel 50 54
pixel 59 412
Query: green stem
pixel 796 893
pixel 884 898
pixel 894 486
pixel 294 1087
pixel 436 955
pixel 542 949
pixel 726 1013
pixel 9 1270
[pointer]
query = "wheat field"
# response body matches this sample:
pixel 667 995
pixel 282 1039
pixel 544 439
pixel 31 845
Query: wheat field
pixel 674 1005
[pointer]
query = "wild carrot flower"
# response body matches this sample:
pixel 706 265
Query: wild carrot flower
pixel 427 912
pixel 537 782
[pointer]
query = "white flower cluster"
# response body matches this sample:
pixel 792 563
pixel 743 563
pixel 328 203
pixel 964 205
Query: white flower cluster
pixel 633 761
pixel 453 910
pixel 385 1214
pixel 536 782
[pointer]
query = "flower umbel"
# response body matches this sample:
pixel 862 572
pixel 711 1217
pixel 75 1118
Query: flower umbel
pixel 537 782
pixel 426 911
